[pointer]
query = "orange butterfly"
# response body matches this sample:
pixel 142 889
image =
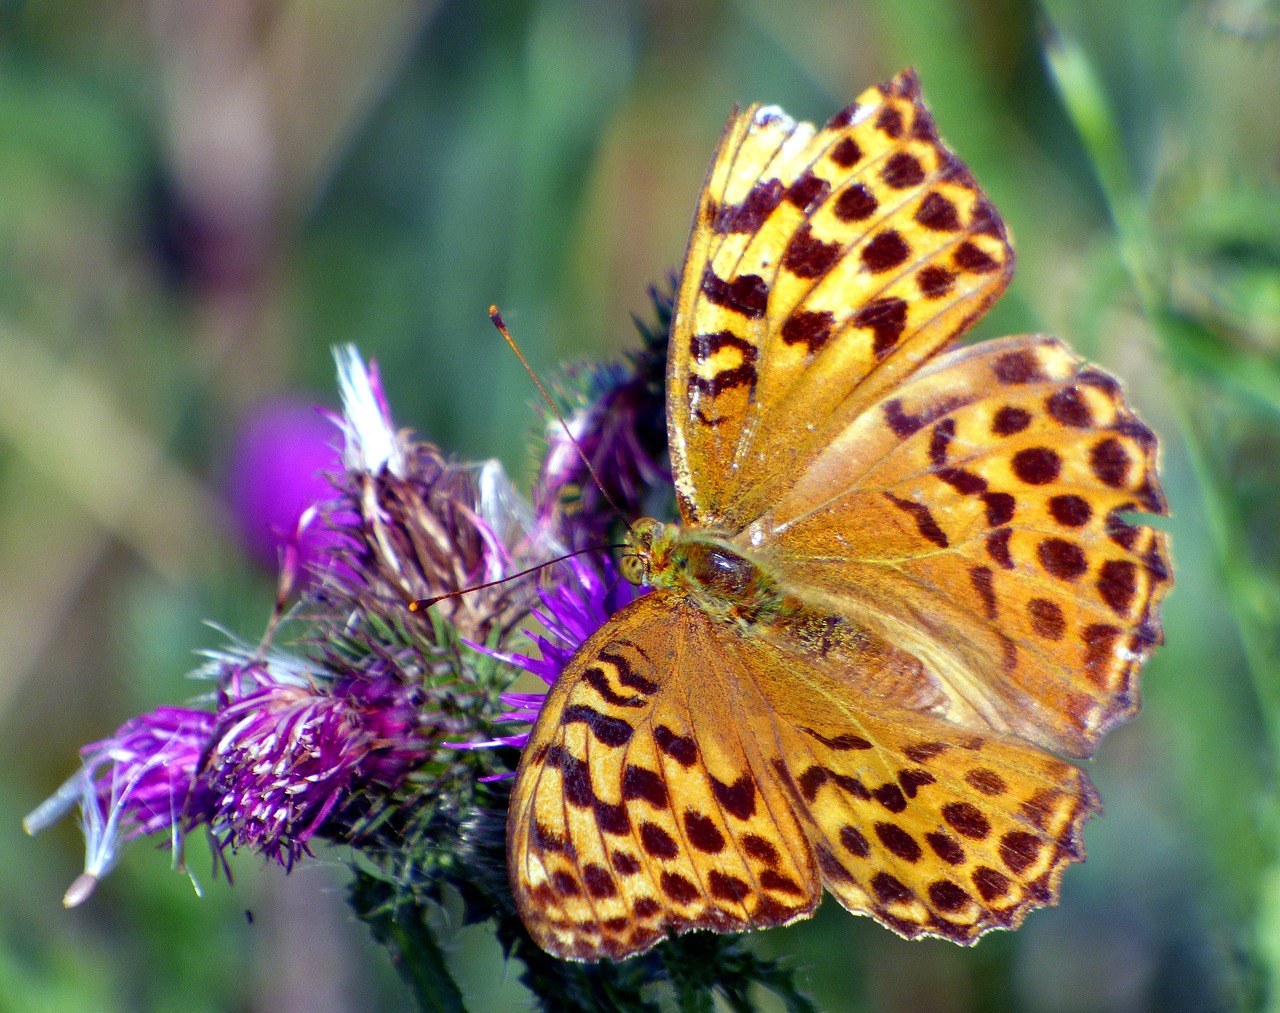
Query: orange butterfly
pixel 902 582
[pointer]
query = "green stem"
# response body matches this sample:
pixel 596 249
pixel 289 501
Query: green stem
pixel 403 930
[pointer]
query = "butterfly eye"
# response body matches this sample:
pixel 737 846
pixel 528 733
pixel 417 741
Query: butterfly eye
pixel 632 567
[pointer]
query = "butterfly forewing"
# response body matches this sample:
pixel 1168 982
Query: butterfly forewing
pixel 639 808
pixel 823 268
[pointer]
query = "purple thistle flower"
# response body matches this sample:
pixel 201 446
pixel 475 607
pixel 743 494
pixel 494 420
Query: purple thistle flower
pixel 571 611
pixel 292 744
pixel 139 781
pixel 413 524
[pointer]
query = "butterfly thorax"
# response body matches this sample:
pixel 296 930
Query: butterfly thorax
pixel 707 569
pixel 705 566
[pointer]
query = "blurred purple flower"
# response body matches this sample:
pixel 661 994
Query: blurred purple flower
pixel 278 476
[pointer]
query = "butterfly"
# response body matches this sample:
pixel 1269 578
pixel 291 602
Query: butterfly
pixel 906 579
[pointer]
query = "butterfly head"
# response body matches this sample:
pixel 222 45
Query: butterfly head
pixel 648 551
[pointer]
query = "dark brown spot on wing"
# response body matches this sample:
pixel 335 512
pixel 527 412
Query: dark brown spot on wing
pixel 641 783
pixel 809 257
pixel 922 752
pixel 807 327
pixel 1046 618
pixel 678 888
pixel 726 887
pixel 943 433
pixel 887 317
pixel 947 896
pixel 703 347
pixel 843 741
pixel 1099 642
pixel 598 881
pixel 998 547
pixel 1020 366
pixel 680 748
pixel 992 885
pixel 981 578
pixel 889 122
pixel 1070 511
pixel 936 212
pixel 1019 850
pixel 1009 420
pixel 608 730
pixel 760 849
pixel 810 781
pixel 738 798
pixel 964 482
pixel 986 781
pixel 1118 584
pixel 969 257
pixel 611 818
pixel 1110 462
pixel 924 519
pixel 565 885
pixel 546 839
pixel 627 675
pixel 854 842
pixel 855 204
pixel 902 170
pixel 808 191
pixel 934 281
pixel 625 864
pixel 945 847
pixel 889 890
pixel 1062 559
pixel 1037 465
pixel 779 883
pixel 703 833
pixel 1001 507
pixel 904 424
pixel 967 819
pixel 898 842
pixel 890 796
pixel 743 375
pixel 886 251
pixel 748 216
pixel 1068 406
pixel 747 294
pixel 657 842
pixel 597 680
pixel 913 780
pixel 845 153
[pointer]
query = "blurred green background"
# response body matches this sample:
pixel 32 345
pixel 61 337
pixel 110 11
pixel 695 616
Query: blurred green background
pixel 198 199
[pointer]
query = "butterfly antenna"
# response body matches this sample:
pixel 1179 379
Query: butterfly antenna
pixel 498 322
pixel 422 604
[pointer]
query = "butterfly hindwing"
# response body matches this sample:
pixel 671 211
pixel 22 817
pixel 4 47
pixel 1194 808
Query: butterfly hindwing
pixel 980 518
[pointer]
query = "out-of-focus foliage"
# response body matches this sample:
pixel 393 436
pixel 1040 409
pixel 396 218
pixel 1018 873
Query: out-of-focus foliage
pixel 200 198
